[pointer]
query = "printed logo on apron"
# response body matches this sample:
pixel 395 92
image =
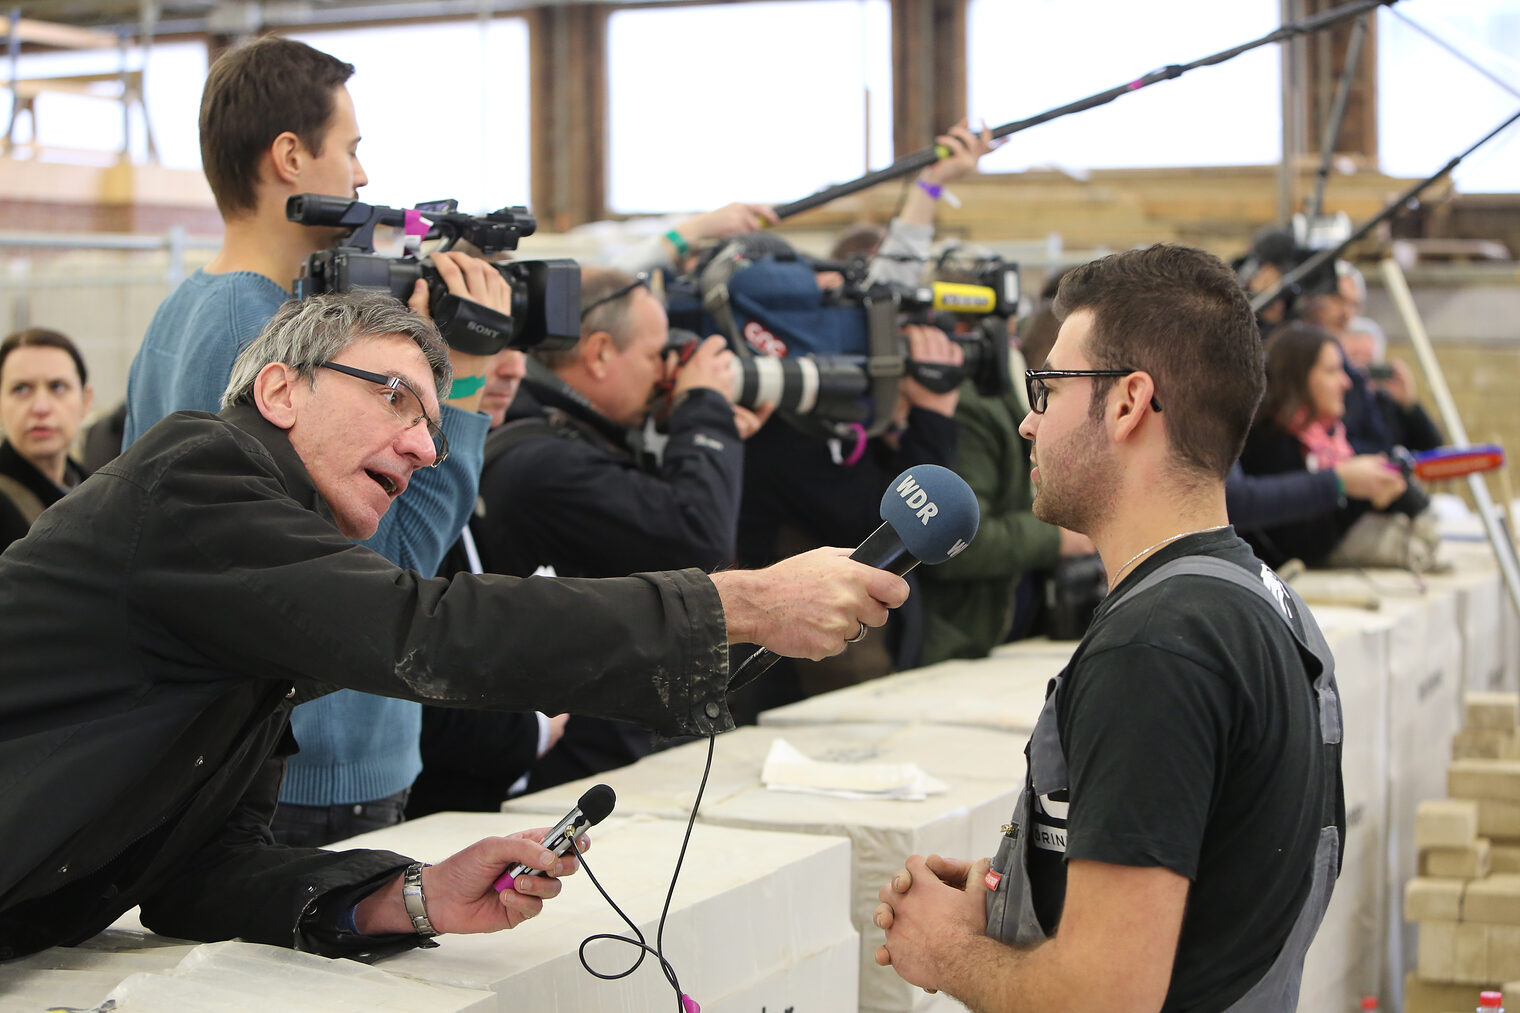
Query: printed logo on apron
pixel 1048 831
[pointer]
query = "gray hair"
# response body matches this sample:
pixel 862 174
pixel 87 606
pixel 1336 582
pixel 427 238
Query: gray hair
pixel 614 317
pixel 1374 330
pixel 307 332
pixel 1346 269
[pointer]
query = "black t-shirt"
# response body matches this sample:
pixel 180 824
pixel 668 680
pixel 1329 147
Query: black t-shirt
pixel 1188 722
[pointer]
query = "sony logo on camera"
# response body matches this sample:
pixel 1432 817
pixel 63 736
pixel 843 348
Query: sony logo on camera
pixel 490 333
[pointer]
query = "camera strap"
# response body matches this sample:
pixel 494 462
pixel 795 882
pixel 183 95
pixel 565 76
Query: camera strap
pixel 715 302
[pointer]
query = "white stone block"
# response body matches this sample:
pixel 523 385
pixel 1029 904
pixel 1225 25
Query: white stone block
pixel 749 906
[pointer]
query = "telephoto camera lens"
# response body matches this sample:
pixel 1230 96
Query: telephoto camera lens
pixel 802 385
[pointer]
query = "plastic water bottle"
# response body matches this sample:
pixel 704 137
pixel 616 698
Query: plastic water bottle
pixel 1490 1002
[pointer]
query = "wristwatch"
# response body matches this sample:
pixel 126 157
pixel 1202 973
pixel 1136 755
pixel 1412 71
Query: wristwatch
pixel 416 905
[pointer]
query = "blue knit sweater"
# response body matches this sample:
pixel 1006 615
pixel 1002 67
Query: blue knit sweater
pixel 354 747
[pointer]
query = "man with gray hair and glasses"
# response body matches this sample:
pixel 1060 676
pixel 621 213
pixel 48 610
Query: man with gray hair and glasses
pixel 162 621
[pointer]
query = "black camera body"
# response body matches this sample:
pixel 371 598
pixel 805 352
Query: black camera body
pixel 546 294
pixel 1414 500
pixel 832 359
pixel 974 315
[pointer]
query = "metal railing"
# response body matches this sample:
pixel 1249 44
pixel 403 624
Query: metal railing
pixel 176 241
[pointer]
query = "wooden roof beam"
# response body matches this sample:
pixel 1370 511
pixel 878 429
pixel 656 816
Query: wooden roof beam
pixel 47 33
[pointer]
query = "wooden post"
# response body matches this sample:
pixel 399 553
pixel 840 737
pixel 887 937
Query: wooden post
pixel 567 66
pixel 928 70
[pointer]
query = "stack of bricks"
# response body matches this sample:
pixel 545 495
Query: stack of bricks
pixel 1467 896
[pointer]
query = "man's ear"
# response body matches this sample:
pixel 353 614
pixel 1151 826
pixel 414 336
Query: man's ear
pixel 1130 402
pixel 274 392
pixel 287 157
pixel 88 398
pixel 597 350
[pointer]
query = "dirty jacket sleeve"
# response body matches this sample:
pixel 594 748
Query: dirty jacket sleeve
pixel 289 597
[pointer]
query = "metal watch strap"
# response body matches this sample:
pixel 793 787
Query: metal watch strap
pixel 416 904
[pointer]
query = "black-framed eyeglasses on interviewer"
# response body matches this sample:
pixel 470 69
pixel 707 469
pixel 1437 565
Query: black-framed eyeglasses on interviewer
pixel 403 401
pixel 1039 390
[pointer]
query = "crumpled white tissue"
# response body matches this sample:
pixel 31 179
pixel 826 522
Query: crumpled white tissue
pixel 787 769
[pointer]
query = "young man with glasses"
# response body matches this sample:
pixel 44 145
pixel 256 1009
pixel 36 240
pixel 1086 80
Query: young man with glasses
pixel 277 120
pixel 1187 762
pixel 164 619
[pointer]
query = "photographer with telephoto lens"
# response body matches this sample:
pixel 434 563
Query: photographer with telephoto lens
pixel 568 487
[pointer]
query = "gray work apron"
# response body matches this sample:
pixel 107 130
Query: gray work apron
pixel 1010 907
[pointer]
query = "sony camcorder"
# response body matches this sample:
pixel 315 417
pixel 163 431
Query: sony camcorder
pixel 546 294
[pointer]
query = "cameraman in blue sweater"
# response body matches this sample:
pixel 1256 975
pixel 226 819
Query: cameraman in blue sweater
pixel 276 120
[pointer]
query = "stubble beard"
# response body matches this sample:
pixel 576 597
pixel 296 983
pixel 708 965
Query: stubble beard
pixel 1077 486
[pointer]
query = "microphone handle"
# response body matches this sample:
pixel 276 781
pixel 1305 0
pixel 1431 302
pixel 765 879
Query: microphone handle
pixel 556 840
pixel 882 549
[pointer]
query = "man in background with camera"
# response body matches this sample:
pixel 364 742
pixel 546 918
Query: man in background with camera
pixel 567 485
pixel 276 120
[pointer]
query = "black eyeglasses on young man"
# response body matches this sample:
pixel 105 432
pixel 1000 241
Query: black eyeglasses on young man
pixel 1039 390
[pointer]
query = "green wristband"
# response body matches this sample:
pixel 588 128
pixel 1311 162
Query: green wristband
pixel 681 245
pixel 464 386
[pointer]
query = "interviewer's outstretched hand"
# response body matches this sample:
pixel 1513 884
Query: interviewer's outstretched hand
pixel 807 606
pixel 459 894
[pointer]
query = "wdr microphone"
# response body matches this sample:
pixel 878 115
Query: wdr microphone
pixel 590 810
pixel 928 515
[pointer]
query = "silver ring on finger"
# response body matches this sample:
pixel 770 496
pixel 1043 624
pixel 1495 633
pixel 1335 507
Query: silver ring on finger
pixel 858 637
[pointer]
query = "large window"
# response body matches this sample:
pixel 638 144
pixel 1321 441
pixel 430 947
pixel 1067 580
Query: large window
pixel 1432 105
pixel 442 108
pixel 172 77
pixel 752 101
pixel 1026 56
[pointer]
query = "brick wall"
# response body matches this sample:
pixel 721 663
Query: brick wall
pixel 1485 384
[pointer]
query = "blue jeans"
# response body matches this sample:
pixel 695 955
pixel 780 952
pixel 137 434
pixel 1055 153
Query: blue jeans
pixel 315 826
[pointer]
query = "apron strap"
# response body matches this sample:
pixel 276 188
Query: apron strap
pixel 1284 600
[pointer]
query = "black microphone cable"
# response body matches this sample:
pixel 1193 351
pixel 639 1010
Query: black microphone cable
pixel 684 1002
pixel 887 549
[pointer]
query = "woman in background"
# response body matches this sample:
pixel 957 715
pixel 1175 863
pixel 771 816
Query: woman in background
pixel 1298 428
pixel 44 396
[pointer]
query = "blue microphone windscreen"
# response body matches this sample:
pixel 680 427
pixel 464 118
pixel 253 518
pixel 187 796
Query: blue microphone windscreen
pixel 933 511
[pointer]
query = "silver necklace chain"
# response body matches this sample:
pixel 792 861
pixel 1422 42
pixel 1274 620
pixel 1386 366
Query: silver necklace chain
pixel 1164 542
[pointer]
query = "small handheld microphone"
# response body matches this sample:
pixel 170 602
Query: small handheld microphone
pixel 590 809
pixel 928 515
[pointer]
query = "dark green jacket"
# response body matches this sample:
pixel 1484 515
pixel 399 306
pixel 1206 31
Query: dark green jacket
pixel 968 601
